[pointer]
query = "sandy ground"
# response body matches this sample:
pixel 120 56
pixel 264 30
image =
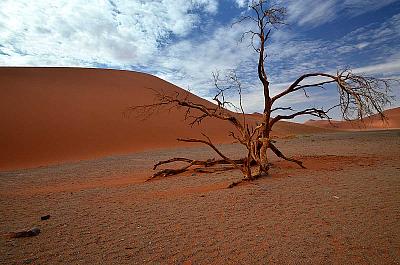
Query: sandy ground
pixel 343 209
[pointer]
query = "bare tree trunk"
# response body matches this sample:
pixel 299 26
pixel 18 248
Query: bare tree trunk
pixel 357 94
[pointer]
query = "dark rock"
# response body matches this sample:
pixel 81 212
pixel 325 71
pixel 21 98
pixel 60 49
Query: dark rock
pixel 26 233
pixel 46 217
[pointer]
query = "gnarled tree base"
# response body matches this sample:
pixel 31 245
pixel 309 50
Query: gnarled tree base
pixel 209 166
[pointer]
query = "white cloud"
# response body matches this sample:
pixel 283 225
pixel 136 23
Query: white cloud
pixel 73 32
pixel 313 13
pixel 362 45
pixel 196 59
pixel 357 7
pixel 242 3
pixel 388 68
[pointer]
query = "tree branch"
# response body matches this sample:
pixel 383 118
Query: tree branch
pixel 281 155
pixel 210 144
pixel 295 85
pixel 358 94
pixel 282 108
pixel 320 113
pixel 177 101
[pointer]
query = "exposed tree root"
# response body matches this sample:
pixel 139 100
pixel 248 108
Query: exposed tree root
pixel 207 166
pixel 212 170
pixel 168 172
pixel 235 183
pixel 243 180
pixel 192 162
pixel 175 159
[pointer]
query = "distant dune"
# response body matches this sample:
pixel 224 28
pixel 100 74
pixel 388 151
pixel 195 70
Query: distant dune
pixel 373 122
pixel 52 115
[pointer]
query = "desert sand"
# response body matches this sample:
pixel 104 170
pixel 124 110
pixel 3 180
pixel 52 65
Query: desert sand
pixel 343 209
pixel 53 115
pixel 68 152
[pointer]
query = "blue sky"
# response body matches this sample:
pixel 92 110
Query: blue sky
pixel 184 41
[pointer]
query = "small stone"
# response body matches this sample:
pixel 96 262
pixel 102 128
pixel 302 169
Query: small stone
pixel 45 217
pixel 25 233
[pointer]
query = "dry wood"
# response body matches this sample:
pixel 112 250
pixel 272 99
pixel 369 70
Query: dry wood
pixel 191 162
pixel 358 96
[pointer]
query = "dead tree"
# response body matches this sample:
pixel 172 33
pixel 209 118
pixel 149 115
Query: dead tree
pixel 359 96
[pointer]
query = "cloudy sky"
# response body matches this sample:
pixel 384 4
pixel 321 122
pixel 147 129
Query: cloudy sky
pixel 185 41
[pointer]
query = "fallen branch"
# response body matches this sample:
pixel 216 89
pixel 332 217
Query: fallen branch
pixel 205 163
pixel 191 162
pixel 210 144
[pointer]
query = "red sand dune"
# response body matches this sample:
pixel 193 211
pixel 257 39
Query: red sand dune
pixel 373 122
pixel 52 115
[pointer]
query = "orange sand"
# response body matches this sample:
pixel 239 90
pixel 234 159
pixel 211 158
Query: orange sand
pixel 342 209
pixel 53 115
